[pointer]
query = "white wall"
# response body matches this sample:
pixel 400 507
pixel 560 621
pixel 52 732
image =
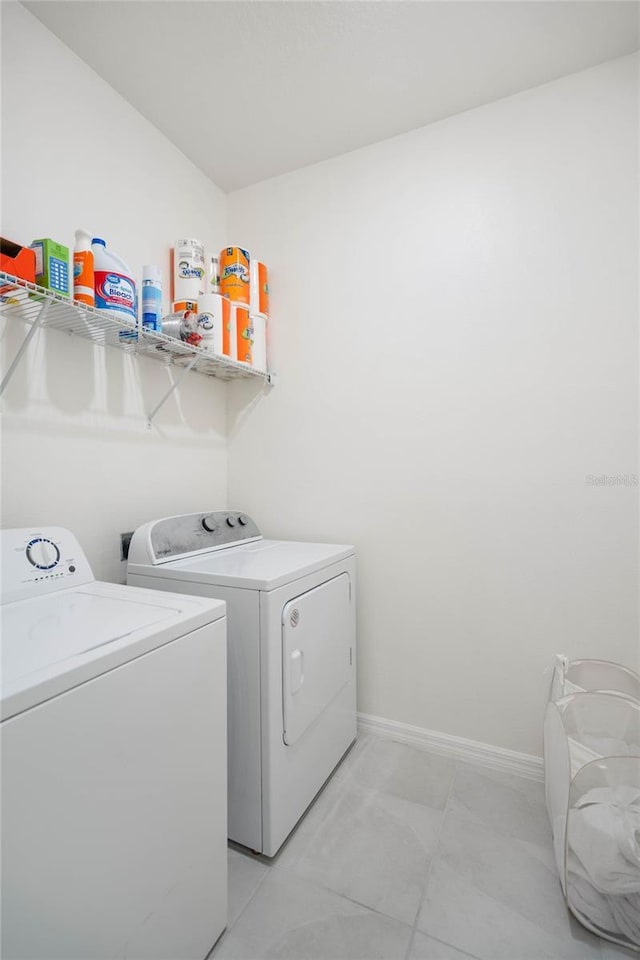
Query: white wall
pixel 455 324
pixel 76 451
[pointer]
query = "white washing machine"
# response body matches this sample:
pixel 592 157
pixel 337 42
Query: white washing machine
pixel 113 740
pixel 290 652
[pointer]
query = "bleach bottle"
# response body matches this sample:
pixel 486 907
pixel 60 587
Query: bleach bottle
pixel 114 285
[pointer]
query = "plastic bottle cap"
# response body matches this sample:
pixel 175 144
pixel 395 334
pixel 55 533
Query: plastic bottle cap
pixel 98 240
pixel 152 273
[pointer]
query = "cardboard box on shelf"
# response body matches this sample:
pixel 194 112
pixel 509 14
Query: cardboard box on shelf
pixel 52 265
pixel 18 261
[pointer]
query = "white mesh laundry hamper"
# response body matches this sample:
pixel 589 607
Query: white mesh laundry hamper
pixel 578 676
pixel 592 784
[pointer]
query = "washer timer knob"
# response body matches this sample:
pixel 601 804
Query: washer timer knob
pixel 242 520
pixel 43 553
pixel 209 524
pixel 231 521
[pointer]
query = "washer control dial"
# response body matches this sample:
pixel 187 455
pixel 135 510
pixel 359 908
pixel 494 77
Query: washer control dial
pixel 242 520
pixel 231 521
pixel 209 523
pixel 42 553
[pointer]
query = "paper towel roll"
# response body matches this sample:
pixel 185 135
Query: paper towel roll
pixel 229 339
pixel 259 288
pixel 235 279
pixel 188 279
pixel 259 349
pixel 244 331
pixel 213 315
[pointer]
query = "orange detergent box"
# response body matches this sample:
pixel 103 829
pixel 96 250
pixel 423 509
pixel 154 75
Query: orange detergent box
pixel 17 260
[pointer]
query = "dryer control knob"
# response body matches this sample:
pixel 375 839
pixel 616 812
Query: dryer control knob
pixel 242 520
pixel 43 553
pixel 231 521
pixel 209 524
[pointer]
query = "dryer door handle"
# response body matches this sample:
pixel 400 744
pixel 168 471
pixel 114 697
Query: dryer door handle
pixel 297 670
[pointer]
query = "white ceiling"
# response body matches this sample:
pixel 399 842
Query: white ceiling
pixel 249 90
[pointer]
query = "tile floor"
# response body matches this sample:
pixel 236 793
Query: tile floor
pixel 409 856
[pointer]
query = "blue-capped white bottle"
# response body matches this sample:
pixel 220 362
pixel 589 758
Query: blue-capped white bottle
pixel 151 298
pixel 115 287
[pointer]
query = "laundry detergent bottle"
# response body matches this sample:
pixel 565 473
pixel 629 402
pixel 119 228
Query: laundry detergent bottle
pixel 83 273
pixel 114 285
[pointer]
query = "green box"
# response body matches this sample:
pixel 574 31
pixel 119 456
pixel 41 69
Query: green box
pixel 52 266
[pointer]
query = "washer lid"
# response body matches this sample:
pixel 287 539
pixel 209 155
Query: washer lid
pixel 261 565
pixel 52 643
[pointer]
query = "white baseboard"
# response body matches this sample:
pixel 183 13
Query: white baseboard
pixel 471 751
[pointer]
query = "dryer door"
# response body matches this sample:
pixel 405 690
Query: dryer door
pixel 317 659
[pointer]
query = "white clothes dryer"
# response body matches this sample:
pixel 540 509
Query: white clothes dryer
pixel 113 739
pixel 291 644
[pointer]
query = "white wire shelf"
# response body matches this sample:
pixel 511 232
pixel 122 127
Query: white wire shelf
pixel 38 307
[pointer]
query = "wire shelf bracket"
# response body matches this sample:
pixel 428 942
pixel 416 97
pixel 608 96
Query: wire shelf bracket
pixel 174 386
pixel 33 329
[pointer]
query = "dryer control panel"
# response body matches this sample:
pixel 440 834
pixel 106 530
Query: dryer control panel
pixel 191 534
pixel 39 560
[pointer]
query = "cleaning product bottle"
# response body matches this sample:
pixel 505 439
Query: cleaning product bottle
pixel 114 286
pixel 83 278
pixel 151 298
